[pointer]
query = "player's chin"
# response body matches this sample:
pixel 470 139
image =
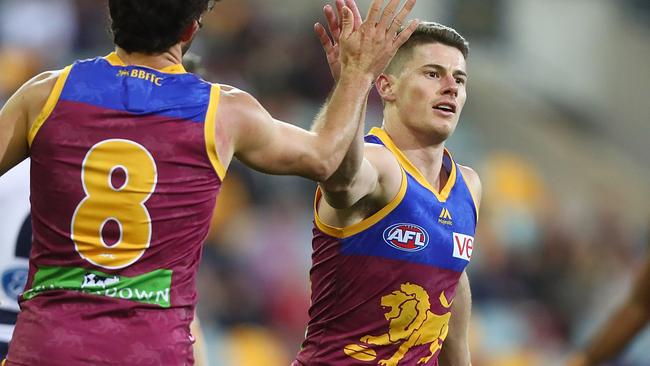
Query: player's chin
pixel 443 128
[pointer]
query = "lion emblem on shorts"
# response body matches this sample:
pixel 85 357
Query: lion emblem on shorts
pixel 411 323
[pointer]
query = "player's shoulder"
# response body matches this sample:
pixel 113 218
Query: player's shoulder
pixel 381 157
pixel 42 84
pixel 473 181
pixel 234 97
pixel 238 108
pixel 389 172
pixel 469 173
pixel 238 115
pixel 33 95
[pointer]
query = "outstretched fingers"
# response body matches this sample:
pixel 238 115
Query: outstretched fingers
pixel 387 15
pixel 355 12
pixel 334 18
pixel 347 23
pixel 324 39
pixel 404 35
pixel 373 12
pixel 333 23
pixel 371 47
pixel 401 16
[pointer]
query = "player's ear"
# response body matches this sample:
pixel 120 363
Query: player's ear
pixel 385 85
pixel 189 32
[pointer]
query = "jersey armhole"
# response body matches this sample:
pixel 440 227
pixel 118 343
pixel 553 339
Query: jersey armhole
pixel 49 106
pixel 210 130
pixel 364 224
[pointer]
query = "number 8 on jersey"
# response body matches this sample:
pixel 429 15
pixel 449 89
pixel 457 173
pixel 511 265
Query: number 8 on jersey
pixel 123 204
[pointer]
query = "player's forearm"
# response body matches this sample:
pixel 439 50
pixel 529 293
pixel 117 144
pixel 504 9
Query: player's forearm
pixel 621 327
pixel 455 353
pixel 455 350
pixel 200 357
pixel 339 123
pixel 351 164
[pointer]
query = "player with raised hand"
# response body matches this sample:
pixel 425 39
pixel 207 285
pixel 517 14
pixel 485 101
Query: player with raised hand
pixel 394 226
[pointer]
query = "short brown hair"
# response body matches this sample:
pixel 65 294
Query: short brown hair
pixel 425 33
pixel 152 26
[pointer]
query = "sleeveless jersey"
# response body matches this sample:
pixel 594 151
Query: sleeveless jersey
pixel 382 288
pixel 15 241
pixel 124 178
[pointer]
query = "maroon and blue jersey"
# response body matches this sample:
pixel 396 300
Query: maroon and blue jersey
pixel 382 289
pixel 124 178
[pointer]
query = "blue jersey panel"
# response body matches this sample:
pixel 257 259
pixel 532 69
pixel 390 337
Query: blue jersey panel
pixel 422 228
pixel 136 90
pixel 432 242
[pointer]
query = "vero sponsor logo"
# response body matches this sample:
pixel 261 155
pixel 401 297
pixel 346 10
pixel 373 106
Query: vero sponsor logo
pixel 406 237
pixel 463 246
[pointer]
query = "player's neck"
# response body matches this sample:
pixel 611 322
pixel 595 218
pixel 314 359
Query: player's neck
pixel 421 152
pixel 173 56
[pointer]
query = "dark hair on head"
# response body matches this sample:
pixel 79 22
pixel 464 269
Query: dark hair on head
pixel 153 26
pixel 425 33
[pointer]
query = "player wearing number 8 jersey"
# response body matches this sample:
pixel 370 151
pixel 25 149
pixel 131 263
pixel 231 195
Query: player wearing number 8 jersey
pixel 93 183
pixel 128 154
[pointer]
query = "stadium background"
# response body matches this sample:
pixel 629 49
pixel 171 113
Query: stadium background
pixel 556 125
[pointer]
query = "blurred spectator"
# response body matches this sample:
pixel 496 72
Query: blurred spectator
pixel 43 27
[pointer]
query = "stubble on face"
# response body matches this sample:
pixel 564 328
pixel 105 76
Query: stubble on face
pixel 434 74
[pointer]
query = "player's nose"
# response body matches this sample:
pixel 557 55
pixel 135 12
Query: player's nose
pixel 449 86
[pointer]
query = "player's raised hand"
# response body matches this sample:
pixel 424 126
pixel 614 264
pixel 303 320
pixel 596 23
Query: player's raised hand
pixel 331 45
pixel 370 48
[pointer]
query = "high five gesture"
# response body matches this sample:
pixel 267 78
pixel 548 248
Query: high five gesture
pixel 359 44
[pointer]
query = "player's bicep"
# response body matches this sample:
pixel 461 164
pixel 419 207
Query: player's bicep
pixel 377 182
pixel 267 144
pixel 16 114
pixel 13 132
pixel 364 183
pixel 275 147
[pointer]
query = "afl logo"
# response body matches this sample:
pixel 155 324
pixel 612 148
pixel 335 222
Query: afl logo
pixel 406 237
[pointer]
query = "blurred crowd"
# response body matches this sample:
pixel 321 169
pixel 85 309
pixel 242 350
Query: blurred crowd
pixel 553 257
